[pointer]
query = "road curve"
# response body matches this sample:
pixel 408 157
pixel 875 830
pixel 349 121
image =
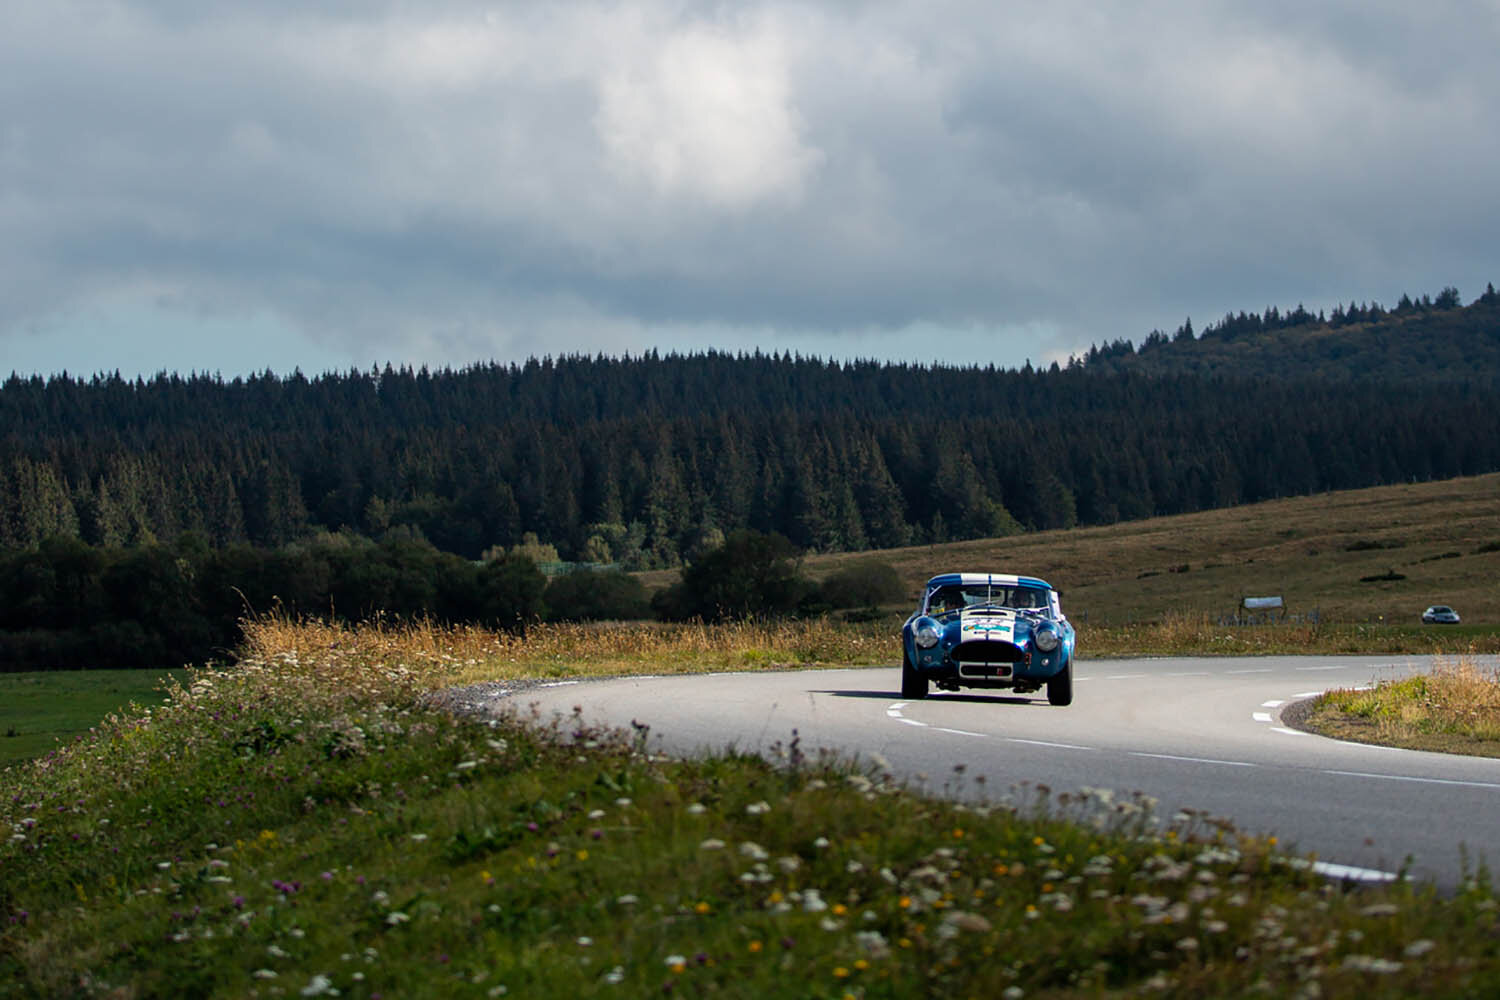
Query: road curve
pixel 1204 733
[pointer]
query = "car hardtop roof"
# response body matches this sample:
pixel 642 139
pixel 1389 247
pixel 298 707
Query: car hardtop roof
pixel 979 579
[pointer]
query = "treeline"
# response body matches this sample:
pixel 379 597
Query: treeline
pixel 1428 337
pixel 67 605
pixel 646 462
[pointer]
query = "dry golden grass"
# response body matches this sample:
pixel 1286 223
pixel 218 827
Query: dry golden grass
pixel 1312 551
pixel 464 654
pixel 1455 708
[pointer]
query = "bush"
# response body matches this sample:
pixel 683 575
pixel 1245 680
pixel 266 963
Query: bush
pixel 751 576
pixel 867 585
pixel 596 595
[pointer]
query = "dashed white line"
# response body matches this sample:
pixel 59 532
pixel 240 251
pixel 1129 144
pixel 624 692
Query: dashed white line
pixel 1273 703
pixel 1426 781
pixel 1304 669
pixel 910 722
pixel 957 732
pixel 1350 873
pixel 1307 694
pixel 1257 670
pixel 1125 677
pixel 1261 716
pixel 1044 743
pixel 1191 760
pixel 1191 673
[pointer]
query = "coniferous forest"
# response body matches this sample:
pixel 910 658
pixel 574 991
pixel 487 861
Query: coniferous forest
pixel 647 462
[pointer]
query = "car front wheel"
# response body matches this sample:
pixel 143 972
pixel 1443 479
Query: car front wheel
pixel 913 684
pixel 1060 687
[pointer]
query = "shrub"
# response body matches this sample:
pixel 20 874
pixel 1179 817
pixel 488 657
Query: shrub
pixel 867 585
pixel 596 595
pixel 751 576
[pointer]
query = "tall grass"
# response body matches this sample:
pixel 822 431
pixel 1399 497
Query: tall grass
pixel 1454 707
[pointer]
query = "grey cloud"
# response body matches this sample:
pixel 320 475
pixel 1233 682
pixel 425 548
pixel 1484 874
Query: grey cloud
pixel 514 178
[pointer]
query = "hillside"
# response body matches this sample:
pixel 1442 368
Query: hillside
pixel 1443 538
pixel 1418 339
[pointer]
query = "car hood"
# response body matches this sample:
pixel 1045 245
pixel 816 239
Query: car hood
pixel 990 625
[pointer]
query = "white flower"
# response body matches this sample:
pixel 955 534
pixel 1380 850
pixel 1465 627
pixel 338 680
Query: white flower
pixel 615 976
pixel 753 851
pixel 263 974
pixel 1419 948
pixel 419 836
pixel 711 844
pixel 596 814
pixel 464 765
pixel 396 917
pixel 758 808
pixel 320 985
pixel 622 802
pixel 629 899
pixel 276 952
pixel 697 809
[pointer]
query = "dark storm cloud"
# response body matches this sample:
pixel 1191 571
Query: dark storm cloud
pixel 458 180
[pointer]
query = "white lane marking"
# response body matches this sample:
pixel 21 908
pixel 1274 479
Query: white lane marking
pixel 1125 677
pixel 898 706
pixel 1350 873
pixel 894 713
pixel 1191 673
pixel 912 722
pixel 957 732
pixel 1425 781
pixel 1257 670
pixel 1273 703
pixel 1261 716
pixel 1322 668
pixel 1307 694
pixel 1288 732
pixel 1191 760
pixel 1044 743
pixel 557 684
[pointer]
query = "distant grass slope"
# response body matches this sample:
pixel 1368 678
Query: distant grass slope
pixel 39 711
pixel 1436 543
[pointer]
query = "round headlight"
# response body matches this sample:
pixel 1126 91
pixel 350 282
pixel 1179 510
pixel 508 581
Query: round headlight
pixel 1046 638
pixel 927 636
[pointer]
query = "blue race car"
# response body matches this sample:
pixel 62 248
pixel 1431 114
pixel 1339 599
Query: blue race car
pixel 988 630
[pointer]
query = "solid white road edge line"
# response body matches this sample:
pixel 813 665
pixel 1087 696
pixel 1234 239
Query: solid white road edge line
pixel 1288 732
pixel 1044 743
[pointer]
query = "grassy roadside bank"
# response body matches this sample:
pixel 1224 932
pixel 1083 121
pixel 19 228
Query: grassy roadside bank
pixel 304 825
pixel 1455 708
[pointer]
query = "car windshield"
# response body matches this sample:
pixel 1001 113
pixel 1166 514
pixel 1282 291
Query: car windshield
pixel 955 597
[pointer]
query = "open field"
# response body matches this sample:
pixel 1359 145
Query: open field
pixel 39 711
pixel 306 824
pixel 1441 538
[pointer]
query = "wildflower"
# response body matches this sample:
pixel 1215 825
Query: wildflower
pixel 1380 910
pixel 711 844
pixel 1419 948
pixel 276 952
pixel 697 809
pixel 465 765
pixel 789 864
pixel 755 947
pixel 582 854
pixel 812 902
pixel 841 972
pixel 320 985
pixel 615 976
pixel 396 917
pixel 753 851
pixel 596 814
pixel 585 941
pixel 419 837
pixel 960 920
pixel 629 899
pixel 758 808
pixel 1369 963
pixel 821 842
pixel 622 802
pixel 263 974
pixel 676 963
pixel 1012 993
pixel 702 907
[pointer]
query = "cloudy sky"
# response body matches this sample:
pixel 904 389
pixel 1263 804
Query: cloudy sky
pixel 207 185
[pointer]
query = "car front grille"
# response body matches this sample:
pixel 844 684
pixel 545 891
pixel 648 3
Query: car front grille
pixel 988 651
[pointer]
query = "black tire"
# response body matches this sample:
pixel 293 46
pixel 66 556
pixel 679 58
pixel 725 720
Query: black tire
pixel 913 685
pixel 1060 687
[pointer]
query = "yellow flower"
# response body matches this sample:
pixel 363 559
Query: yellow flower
pixel 958 834
pixel 583 855
pixel 702 907
pixel 905 902
pixel 839 909
pixel 755 947
pixel 841 972
pixel 861 964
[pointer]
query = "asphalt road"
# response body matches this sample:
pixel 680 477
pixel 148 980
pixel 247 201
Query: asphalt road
pixel 1200 733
